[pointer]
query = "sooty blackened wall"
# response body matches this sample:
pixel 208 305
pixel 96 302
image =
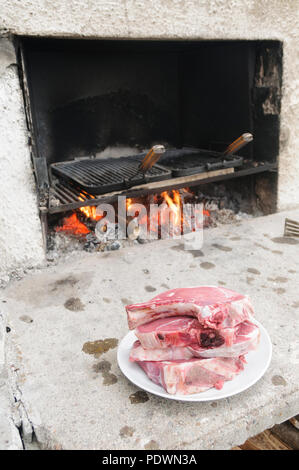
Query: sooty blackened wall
pixel 88 95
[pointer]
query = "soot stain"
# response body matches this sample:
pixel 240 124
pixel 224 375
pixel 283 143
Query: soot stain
pixel 138 397
pixel 74 304
pixel 221 247
pixel 207 265
pixel 104 367
pixel 285 240
pixel 278 380
pixel 150 288
pixel 253 271
pixel 97 348
pixel 214 404
pixel 126 431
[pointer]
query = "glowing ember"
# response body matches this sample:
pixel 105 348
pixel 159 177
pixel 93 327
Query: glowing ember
pixel 73 226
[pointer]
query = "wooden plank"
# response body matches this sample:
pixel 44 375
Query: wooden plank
pixel 287 433
pixel 265 441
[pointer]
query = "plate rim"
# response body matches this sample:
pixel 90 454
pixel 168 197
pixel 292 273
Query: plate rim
pixel 197 396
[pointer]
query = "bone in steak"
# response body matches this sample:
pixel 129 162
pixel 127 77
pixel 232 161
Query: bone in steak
pixel 214 307
pixel 170 331
pixel 194 375
pixel 246 338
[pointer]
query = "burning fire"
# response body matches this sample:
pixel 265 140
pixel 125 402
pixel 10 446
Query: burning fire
pixel 88 211
pixel 73 226
pixel 174 200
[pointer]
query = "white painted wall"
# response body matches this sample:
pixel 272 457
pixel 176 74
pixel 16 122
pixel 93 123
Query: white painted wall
pixel 20 229
pixel 167 19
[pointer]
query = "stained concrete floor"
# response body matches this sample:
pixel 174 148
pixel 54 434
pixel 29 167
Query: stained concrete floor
pixel 66 320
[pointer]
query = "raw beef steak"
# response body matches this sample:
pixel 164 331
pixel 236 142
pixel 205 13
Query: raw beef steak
pixel 194 375
pixel 214 307
pixel 246 338
pixel 170 331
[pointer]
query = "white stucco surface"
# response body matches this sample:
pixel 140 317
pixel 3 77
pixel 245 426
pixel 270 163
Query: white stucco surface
pixel 176 19
pixel 20 229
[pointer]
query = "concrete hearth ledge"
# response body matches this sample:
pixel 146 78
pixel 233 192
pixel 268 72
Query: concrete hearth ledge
pixel 77 398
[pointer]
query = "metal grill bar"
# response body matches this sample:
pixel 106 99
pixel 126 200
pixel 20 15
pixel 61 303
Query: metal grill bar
pixel 100 176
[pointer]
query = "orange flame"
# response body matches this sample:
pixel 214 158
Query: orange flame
pixel 73 226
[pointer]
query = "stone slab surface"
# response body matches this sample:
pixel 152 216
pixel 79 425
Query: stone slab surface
pixel 77 398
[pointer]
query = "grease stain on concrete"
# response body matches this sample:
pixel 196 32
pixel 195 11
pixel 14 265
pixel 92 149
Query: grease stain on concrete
pixel 126 431
pixel 152 445
pixel 165 286
pixel 207 265
pixel 249 280
pixel 222 283
pixel 138 397
pixel 104 367
pixel 279 279
pixel 67 281
pixel 285 240
pixel 97 348
pixel 253 271
pixel 26 318
pixel 150 288
pixel 279 290
pixel 278 380
pixel 126 301
pixel 106 300
pixel 221 247
pixel 235 239
pixel 74 304
pixel 197 253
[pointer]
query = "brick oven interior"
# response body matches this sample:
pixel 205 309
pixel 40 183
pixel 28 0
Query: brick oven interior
pixel 114 98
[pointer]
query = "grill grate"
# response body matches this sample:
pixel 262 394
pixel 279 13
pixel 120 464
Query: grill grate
pixel 100 176
pixel 186 162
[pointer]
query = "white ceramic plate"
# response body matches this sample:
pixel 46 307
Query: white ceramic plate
pixel 257 363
